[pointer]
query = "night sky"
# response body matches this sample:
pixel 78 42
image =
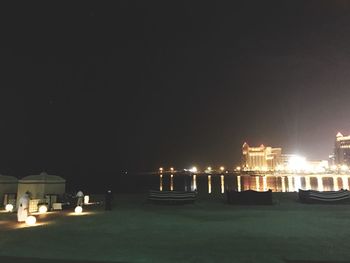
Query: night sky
pixel 136 85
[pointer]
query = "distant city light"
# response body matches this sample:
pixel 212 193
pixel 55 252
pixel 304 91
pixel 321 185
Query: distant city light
pixel 161 169
pixel 297 163
pixel 238 168
pixel 222 168
pixel 208 170
pixel 172 169
pixel 334 167
pixel 344 168
pixel 280 168
pixel 264 168
pixel 193 169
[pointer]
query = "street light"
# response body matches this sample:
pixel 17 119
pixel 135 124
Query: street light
pixel 194 169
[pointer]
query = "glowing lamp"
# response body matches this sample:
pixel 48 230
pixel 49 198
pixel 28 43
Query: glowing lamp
pixel 297 163
pixel 86 199
pixel 42 209
pixel 9 208
pixel 193 169
pixel 344 168
pixel 78 210
pixel 172 169
pixel 222 168
pixel 31 220
pixel 208 170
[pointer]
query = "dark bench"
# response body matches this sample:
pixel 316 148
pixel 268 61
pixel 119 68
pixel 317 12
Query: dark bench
pixel 326 197
pixel 172 197
pixel 249 197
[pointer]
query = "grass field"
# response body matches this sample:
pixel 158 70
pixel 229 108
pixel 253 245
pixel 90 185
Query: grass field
pixel 207 231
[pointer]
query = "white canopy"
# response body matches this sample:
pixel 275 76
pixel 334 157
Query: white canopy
pixel 40 185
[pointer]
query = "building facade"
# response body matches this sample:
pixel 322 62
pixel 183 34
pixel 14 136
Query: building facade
pixel 260 158
pixel 342 150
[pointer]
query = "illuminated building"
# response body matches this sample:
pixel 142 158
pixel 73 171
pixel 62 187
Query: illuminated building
pixel 260 158
pixel 292 163
pixel 342 150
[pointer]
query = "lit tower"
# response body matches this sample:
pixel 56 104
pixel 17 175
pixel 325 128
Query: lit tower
pixel 342 149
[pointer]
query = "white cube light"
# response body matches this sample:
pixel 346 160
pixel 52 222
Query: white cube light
pixel 9 208
pixel 31 220
pixel 42 209
pixel 78 210
pixel 86 199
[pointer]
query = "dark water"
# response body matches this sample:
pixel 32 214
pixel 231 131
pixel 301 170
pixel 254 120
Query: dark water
pixel 277 183
pixel 207 184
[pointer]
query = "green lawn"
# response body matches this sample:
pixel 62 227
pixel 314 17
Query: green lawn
pixel 207 231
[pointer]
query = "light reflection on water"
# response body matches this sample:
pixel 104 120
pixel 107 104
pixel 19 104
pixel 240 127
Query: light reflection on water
pixel 209 184
pixel 171 182
pixel 161 182
pixel 222 183
pixel 283 183
pixel 335 183
pixel 239 187
pixel 277 183
pixel 319 183
pixel 194 180
pixel 345 182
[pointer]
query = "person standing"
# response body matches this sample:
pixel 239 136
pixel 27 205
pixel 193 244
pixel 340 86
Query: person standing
pixel 23 207
pixel 108 200
pixel 80 197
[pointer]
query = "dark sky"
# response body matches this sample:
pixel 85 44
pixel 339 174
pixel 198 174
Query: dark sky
pixel 138 85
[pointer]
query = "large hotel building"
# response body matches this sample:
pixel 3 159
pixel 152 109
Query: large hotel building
pixel 261 158
pixel 342 150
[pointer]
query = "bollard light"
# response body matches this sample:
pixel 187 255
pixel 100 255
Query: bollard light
pixel 9 208
pixel 42 209
pixel 31 220
pixel 78 210
pixel 86 199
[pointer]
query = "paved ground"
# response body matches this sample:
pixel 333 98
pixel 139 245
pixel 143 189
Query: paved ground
pixel 208 231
